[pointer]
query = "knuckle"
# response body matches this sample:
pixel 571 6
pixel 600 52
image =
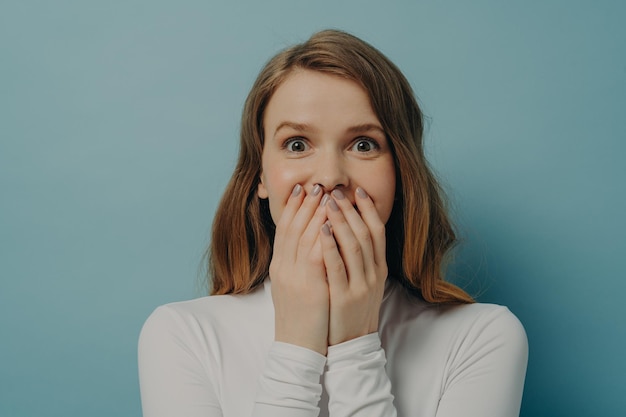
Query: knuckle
pixel 363 234
pixel 336 268
pixel 361 292
pixel 354 247
pixel 383 271
pixel 378 229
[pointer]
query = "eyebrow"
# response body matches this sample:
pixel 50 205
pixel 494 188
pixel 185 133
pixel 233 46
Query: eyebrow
pixel 366 127
pixel 303 127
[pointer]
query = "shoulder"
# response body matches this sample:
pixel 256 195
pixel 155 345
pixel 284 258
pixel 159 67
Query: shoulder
pixel 478 327
pixel 480 317
pixel 216 307
pixel 455 327
pixel 209 318
pixel 438 355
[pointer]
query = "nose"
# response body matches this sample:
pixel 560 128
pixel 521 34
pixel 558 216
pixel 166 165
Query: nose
pixel 331 172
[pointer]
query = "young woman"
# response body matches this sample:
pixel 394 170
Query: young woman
pixel 326 266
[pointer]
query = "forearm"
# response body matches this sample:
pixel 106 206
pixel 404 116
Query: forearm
pixel 356 380
pixel 290 384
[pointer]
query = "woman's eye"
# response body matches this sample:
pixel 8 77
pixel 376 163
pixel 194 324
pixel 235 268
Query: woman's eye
pixel 296 145
pixel 365 145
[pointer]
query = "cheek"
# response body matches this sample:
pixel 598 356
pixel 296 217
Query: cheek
pixel 384 206
pixel 279 184
pixel 382 190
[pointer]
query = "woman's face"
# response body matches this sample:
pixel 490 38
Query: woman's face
pixel 321 129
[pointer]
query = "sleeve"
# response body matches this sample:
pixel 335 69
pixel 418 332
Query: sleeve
pixel 356 380
pixel 172 379
pixel 290 384
pixel 486 378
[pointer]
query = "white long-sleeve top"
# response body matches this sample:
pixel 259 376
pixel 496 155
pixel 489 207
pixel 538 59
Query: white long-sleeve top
pixel 215 356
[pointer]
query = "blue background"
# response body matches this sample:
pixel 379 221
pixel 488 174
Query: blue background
pixel 119 129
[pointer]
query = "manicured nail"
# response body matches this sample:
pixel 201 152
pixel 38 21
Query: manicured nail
pixel 333 205
pixel 296 190
pixel 316 189
pixel 324 200
pixel 361 192
pixel 326 229
pixel 338 195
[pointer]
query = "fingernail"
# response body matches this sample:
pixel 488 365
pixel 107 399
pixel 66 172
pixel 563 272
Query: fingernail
pixel 296 190
pixel 324 200
pixel 316 189
pixel 361 192
pixel 326 229
pixel 333 205
pixel 338 195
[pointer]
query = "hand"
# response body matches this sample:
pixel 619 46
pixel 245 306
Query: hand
pixel 356 265
pixel 299 287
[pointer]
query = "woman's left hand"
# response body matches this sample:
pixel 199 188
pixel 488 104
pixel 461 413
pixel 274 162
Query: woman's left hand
pixel 356 265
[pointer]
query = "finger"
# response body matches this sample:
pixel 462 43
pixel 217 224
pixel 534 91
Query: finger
pixel 356 223
pixel 376 227
pixel 299 221
pixel 335 267
pixel 310 236
pixel 315 255
pixel 348 245
pixel 291 208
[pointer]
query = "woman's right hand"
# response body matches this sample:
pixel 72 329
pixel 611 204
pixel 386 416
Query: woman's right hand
pixel 299 287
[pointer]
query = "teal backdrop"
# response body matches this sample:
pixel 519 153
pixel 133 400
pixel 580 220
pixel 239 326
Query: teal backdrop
pixel 119 130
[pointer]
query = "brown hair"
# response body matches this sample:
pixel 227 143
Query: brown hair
pixel 419 232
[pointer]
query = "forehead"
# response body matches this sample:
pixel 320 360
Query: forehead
pixel 307 96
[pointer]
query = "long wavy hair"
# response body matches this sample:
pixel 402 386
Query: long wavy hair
pixel 419 231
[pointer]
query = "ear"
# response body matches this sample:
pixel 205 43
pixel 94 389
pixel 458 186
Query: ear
pixel 261 191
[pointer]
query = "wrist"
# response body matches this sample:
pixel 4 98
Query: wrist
pixel 317 347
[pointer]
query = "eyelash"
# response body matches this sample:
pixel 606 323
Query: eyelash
pixel 290 141
pixel 374 144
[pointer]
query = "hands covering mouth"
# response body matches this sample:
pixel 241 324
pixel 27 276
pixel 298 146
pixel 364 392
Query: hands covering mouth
pixel 327 282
